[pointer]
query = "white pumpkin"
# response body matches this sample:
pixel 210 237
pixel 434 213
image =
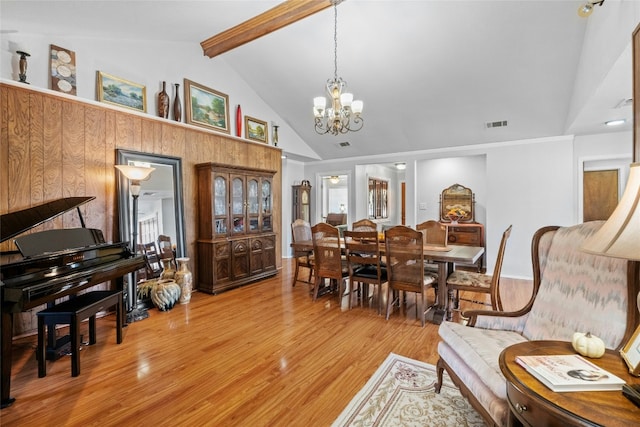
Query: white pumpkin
pixel 588 345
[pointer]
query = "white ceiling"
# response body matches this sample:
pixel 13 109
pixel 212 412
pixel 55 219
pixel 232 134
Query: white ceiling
pixel 430 73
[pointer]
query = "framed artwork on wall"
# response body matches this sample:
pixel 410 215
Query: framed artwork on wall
pixel 63 70
pixel 123 93
pixel 206 107
pixel 255 129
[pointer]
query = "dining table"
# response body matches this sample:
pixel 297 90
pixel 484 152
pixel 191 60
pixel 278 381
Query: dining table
pixel 445 257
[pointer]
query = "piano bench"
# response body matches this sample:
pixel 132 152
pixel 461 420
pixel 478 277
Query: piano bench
pixel 72 312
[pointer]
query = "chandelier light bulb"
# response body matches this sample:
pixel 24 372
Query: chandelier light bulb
pixel 587 9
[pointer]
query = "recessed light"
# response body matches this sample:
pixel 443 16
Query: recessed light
pixel 616 122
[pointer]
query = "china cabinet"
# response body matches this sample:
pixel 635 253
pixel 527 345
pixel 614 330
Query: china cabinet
pixel 301 200
pixel 236 240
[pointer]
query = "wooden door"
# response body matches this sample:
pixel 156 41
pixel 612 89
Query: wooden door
pixel 600 194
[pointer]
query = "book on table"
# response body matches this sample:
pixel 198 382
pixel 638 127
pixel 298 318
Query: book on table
pixel 570 372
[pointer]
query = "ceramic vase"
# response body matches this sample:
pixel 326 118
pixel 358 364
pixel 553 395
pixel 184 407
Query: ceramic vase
pixel 177 107
pixel 163 102
pixel 165 294
pixel 184 279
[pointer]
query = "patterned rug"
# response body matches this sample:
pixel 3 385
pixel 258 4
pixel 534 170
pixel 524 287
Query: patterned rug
pixel 401 393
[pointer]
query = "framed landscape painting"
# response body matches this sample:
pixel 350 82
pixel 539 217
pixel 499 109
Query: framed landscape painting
pixel 121 92
pixel 255 129
pixel 206 107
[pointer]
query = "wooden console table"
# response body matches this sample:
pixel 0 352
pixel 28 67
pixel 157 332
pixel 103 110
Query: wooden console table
pixel 532 403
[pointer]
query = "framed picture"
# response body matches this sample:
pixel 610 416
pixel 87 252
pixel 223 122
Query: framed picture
pixel 256 129
pixel 206 107
pixel 63 70
pixel 631 353
pixel 121 92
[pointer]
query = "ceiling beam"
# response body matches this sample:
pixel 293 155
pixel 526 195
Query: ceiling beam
pixel 273 19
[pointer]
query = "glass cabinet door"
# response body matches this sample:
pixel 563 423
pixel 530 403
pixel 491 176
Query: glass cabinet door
pixel 253 202
pixel 237 205
pixel 220 205
pixel 267 201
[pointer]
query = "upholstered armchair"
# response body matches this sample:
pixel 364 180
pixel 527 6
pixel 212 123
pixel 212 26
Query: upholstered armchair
pixel 573 291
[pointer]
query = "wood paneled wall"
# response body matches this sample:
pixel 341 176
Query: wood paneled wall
pixel 54 146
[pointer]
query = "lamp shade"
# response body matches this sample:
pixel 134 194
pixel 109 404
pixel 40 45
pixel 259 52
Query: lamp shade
pixel 619 237
pixel 135 173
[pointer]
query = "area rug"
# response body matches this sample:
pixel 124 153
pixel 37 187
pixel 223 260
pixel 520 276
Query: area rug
pixel 401 393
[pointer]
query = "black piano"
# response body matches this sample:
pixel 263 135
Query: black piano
pixel 55 263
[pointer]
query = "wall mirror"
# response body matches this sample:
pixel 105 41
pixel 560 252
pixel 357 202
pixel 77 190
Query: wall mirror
pixel 160 205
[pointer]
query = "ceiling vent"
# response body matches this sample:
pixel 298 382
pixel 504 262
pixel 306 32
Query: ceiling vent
pixel 500 124
pixel 344 144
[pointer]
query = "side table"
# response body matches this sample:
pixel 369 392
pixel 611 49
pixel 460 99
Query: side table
pixel 532 403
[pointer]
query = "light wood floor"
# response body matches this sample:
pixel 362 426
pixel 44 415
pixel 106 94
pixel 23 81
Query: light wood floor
pixel 263 354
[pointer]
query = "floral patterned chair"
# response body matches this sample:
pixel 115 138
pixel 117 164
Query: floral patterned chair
pixel 573 291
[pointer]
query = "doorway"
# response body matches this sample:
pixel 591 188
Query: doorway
pixel 334 195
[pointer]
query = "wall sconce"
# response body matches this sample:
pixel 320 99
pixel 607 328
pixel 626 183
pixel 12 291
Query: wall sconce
pixel 587 9
pixel 334 179
pixel 135 174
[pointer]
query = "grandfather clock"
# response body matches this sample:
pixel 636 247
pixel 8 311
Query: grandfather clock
pixel 301 199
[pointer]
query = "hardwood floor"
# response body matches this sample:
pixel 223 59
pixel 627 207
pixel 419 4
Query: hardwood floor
pixel 259 355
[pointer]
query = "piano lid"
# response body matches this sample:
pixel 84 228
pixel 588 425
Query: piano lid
pixel 14 223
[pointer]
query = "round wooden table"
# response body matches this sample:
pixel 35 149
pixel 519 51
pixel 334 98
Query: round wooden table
pixel 532 403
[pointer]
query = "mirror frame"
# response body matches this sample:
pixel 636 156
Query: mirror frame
pixel 123 157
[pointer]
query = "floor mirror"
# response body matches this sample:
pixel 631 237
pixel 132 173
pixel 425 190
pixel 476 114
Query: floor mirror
pixel 160 203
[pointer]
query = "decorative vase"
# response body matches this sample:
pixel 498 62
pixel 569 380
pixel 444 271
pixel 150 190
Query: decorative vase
pixel 165 294
pixel 177 107
pixel 168 271
pixel 163 102
pixel 239 121
pixel 184 279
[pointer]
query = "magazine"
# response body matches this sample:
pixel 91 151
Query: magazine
pixel 569 372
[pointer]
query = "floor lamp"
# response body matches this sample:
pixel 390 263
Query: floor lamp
pixel 135 174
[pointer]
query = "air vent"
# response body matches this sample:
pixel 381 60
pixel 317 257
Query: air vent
pixel 344 144
pixel 499 124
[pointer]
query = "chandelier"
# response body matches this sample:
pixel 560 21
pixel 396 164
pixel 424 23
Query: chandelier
pixel 344 114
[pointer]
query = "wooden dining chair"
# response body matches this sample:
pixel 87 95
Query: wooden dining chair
pixel 300 232
pixel 364 225
pixel 434 233
pixel 328 260
pixel 365 267
pixel 472 281
pixel 405 268
pixel 152 260
pixel 165 249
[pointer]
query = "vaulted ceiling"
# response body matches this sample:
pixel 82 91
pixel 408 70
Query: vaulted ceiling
pixel 431 73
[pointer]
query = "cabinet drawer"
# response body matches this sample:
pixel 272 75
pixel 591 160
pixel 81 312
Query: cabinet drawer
pixel 461 236
pixel 529 412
